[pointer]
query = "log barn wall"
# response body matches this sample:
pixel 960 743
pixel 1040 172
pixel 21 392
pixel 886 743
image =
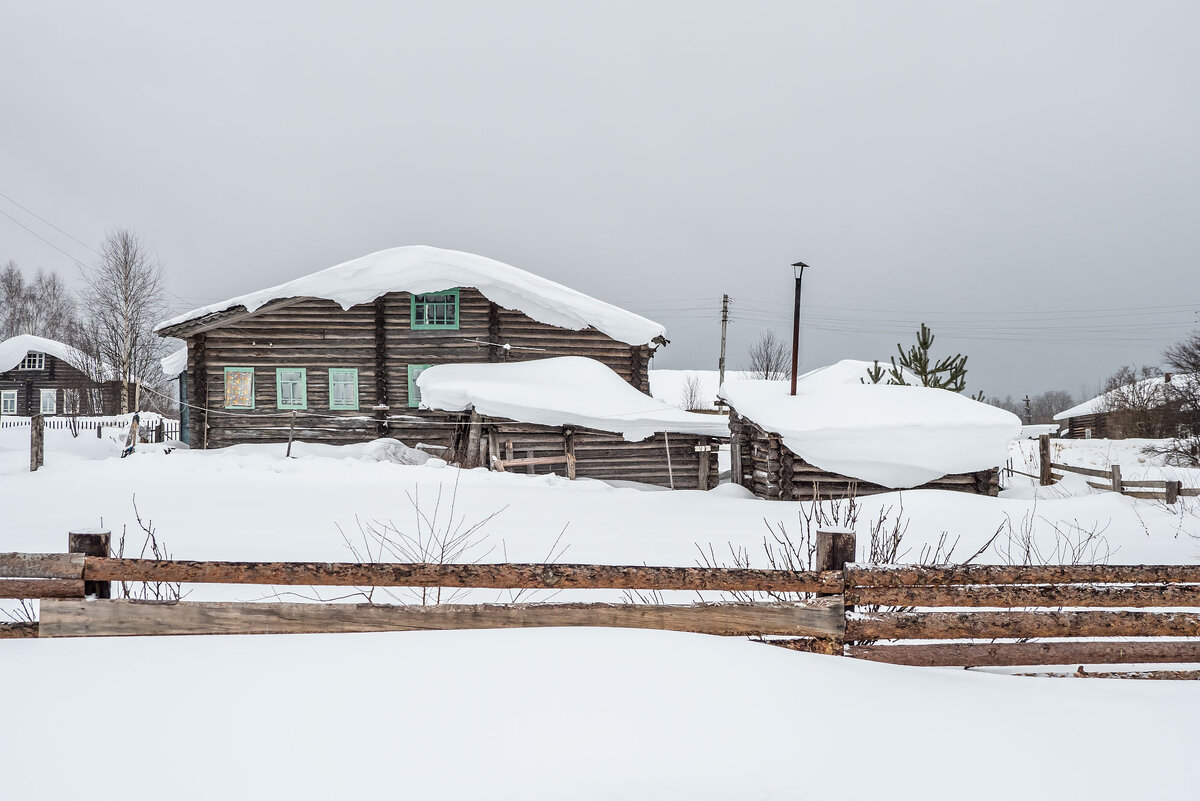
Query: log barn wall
pixel 1077 427
pixel 764 465
pixel 377 340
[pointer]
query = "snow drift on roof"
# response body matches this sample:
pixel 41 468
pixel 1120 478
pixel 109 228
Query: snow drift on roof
pixel 175 363
pixel 568 390
pixel 419 268
pixel 1146 388
pixel 13 351
pixel 893 436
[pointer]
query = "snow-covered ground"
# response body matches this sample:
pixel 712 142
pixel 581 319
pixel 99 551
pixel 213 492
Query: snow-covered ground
pixel 552 713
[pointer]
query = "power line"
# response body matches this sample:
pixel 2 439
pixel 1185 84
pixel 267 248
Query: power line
pixel 44 239
pixel 47 222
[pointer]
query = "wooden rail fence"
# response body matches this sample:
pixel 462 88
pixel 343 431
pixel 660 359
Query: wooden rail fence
pixel 1153 490
pixel 979 615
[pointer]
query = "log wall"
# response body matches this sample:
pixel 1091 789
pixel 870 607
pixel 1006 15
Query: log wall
pixel 59 376
pixel 769 469
pixel 1077 427
pixel 377 340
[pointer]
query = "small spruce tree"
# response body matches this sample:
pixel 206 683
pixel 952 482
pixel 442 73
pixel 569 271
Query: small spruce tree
pixel 947 373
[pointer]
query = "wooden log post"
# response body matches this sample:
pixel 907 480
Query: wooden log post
pixel 569 451
pixel 474 435
pixel 1172 490
pixel 160 432
pixel 37 442
pixel 1116 478
pixel 1046 477
pixel 92 542
pixel 703 451
pixel 835 549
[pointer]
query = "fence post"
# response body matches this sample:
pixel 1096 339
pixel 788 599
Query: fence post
pixel 37 442
pixel 835 550
pixel 92 542
pixel 1173 488
pixel 160 431
pixel 1046 478
pixel 1116 477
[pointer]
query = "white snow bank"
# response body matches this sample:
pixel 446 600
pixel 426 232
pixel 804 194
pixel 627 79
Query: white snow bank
pixel 306 717
pixel 175 363
pixel 672 386
pixel 569 390
pixel 419 268
pixel 1146 388
pixel 894 436
pixel 14 350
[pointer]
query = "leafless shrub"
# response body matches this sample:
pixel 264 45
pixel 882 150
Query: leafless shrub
pixel 1066 543
pixel 152 548
pixel 23 612
pixel 768 357
pixel 692 394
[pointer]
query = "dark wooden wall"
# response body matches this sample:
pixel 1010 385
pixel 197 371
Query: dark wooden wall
pixel 1077 426
pixel 57 375
pixel 769 469
pixel 377 340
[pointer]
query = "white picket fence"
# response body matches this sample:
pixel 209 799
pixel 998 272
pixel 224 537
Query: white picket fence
pixel 147 421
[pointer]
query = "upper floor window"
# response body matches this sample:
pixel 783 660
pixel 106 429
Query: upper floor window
pixel 435 310
pixel 343 388
pixel 239 388
pixel 33 361
pixel 291 388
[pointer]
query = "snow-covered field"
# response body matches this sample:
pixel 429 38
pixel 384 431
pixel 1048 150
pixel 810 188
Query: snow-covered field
pixel 551 713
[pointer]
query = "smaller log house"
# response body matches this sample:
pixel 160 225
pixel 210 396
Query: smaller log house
pixel 44 376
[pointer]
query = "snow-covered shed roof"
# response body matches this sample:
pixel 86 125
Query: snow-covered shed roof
pixel 175 363
pixel 419 268
pixel 894 436
pixel 568 390
pixel 1146 388
pixel 14 350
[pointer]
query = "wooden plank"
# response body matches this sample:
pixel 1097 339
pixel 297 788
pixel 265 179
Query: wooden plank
pixel 1029 653
pixel 1083 471
pixel 12 631
pixel 494 576
pixel 1020 625
pixel 1161 484
pixel 41 588
pixel 41 565
pixel 118 618
pixel 906 576
pixel 1171 595
pixel 532 460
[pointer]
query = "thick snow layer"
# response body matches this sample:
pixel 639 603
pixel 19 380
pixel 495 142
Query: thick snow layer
pixel 487 714
pixel 13 350
pixel 175 363
pixel 569 390
pixel 419 268
pixel 1146 388
pixel 890 435
pixel 676 386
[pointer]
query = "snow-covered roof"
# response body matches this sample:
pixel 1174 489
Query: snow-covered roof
pixel 568 390
pixel 419 268
pixel 894 436
pixel 14 350
pixel 175 363
pixel 1146 388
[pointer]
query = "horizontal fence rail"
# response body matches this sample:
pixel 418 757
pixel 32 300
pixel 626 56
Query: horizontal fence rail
pixel 968 616
pixel 1152 490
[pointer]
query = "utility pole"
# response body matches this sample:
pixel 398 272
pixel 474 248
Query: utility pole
pixel 724 325
pixel 796 323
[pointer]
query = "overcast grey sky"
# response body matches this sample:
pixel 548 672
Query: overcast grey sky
pixel 1022 176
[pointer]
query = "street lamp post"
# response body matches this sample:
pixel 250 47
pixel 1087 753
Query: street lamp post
pixel 799 273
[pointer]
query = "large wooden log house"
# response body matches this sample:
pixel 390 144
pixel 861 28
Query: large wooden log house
pixel 47 377
pixel 335 356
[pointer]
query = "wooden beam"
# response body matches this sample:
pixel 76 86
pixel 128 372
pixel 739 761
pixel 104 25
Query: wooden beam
pixel 12 631
pixel 486 576
pixel 1173 595
pixel 906 576
pixel 1020 625
pixel 1083 471
pixel 129 618
pixel 532 460
pixel 41 588
pixel 1029 653
pixel 41 565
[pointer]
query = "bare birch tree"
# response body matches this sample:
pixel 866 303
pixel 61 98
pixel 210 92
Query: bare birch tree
pixel 768 357
pixel 125 298
pixel 43 307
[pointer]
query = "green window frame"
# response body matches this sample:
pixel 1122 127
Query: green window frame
pixel 296 388
pixel 414 391
pixel 344 376
pixel 234 376
pixel 435 310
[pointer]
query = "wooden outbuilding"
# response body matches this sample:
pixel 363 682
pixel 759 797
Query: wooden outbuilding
pixel 44 376
pixel 335 356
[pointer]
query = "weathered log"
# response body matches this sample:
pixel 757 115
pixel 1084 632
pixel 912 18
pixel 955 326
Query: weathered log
pixel 128 618
pixel 904 575
pixel 41 565
pixel 809 645
pixel 1083 471
pixel 11 631
pixel 1020 625
pixel 41 588
pixel 493 576
pixel 1029 653
pixel 1171 595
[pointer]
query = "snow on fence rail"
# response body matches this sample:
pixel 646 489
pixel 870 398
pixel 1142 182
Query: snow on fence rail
pixel 1152 490
pixel 97 424
pixel 903 614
